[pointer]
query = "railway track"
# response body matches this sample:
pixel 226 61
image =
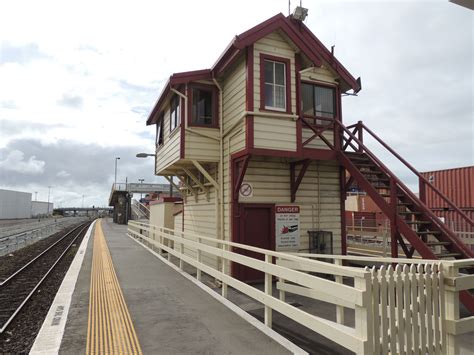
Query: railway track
pixel 19 287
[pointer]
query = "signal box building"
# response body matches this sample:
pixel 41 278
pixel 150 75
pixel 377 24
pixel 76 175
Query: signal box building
pixel 258 145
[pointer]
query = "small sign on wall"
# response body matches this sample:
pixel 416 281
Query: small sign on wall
pixel 287 227
pixel 246 190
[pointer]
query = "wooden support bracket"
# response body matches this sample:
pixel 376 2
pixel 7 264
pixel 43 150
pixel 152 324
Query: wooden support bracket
pixel 240 168
pixel 189 187
pixel 197 182
pixel 295 184
pixel 206 174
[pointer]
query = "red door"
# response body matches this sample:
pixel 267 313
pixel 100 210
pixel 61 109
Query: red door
pixel 257 228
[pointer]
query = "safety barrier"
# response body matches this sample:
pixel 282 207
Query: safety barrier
pixel 382 299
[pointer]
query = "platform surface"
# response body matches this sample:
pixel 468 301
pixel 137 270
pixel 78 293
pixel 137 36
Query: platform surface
pixel 169 313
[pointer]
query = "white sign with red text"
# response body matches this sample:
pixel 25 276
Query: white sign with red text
pixel 287 227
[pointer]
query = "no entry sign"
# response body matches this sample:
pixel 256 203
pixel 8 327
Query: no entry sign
pixel 246 190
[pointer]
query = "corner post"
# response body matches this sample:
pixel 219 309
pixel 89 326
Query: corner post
pixel 363 315
pixel 451 298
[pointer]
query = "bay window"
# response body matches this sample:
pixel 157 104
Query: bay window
pixel 203 106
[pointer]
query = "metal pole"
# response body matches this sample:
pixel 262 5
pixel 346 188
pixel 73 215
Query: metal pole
pixel 49 191
pixel 115 180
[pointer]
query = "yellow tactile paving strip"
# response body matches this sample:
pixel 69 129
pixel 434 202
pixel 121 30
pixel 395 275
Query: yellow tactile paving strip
pixel 110 329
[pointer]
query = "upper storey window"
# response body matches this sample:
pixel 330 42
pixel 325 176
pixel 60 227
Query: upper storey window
pixel 275 82
pixel 203 106
pixel 175 113
pixel 318 101
pixel 275 85
pixel 159 131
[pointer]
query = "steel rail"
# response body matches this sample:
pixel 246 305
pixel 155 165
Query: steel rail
pixel 27 298
pixel 38 256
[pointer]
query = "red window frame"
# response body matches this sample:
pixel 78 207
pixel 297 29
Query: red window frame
pixel 215 105
pixel 336 103
pixel 287 63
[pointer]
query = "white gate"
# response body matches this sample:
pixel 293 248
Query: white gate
pixel 408 309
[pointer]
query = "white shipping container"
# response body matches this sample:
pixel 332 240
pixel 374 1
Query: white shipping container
pixel 41 208
pixel 15 204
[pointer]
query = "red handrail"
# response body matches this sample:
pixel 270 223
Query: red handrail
pixel 421 177
pixel 434 218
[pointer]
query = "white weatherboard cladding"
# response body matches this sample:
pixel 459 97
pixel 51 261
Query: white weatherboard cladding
pixel 169 152
pixel 318 195
pixel 14 204
pixel 198 147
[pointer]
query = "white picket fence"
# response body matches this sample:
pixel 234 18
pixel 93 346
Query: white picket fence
pixel 407 309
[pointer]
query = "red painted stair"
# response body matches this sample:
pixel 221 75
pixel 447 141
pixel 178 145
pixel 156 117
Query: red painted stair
pixel 413 225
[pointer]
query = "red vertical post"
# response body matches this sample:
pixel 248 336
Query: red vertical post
pixel 360 135
pixel 393 219
pixel 342 175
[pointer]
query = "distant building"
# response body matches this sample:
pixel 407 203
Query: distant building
pixel 41 208
pixel 15 204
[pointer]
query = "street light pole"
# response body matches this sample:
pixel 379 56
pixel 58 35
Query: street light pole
pixel 141 182
pixel 49 192
pixel 115 180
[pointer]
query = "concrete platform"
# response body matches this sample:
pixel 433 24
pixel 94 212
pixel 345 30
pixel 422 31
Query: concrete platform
pixel 170 314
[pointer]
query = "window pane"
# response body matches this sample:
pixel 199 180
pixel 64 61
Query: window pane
pixel 159 131
pixel 269 95
pixel 280 96
pixel 268 71
pixel 202 107
pixel 324 99
pixel 307 99
pixel 280 73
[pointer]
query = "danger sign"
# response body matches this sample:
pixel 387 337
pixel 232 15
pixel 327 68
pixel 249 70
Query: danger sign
pixel 246 190
pixel 287 227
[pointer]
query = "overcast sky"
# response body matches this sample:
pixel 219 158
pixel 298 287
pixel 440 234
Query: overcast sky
pixel 78 79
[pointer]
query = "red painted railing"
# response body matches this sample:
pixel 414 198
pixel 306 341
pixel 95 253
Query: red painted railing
pixel 423 182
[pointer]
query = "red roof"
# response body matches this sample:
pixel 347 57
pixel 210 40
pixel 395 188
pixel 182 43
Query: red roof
pixel 297 31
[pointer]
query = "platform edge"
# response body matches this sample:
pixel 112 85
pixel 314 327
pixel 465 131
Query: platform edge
pixel 48 340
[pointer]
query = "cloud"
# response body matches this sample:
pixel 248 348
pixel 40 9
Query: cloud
pixel 15 162
pixel 20 54
pixel 75 168
pixel 71 101
pixel 63 174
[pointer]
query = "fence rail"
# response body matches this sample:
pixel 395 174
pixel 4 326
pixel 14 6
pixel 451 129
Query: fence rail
pixel 406 309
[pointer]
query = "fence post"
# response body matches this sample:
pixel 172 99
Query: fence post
pixel 268 291
pixel 224 271
pixel 339 309
pixel 282 293
pixel 363 315
pixel 199 259
pixel 452 311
